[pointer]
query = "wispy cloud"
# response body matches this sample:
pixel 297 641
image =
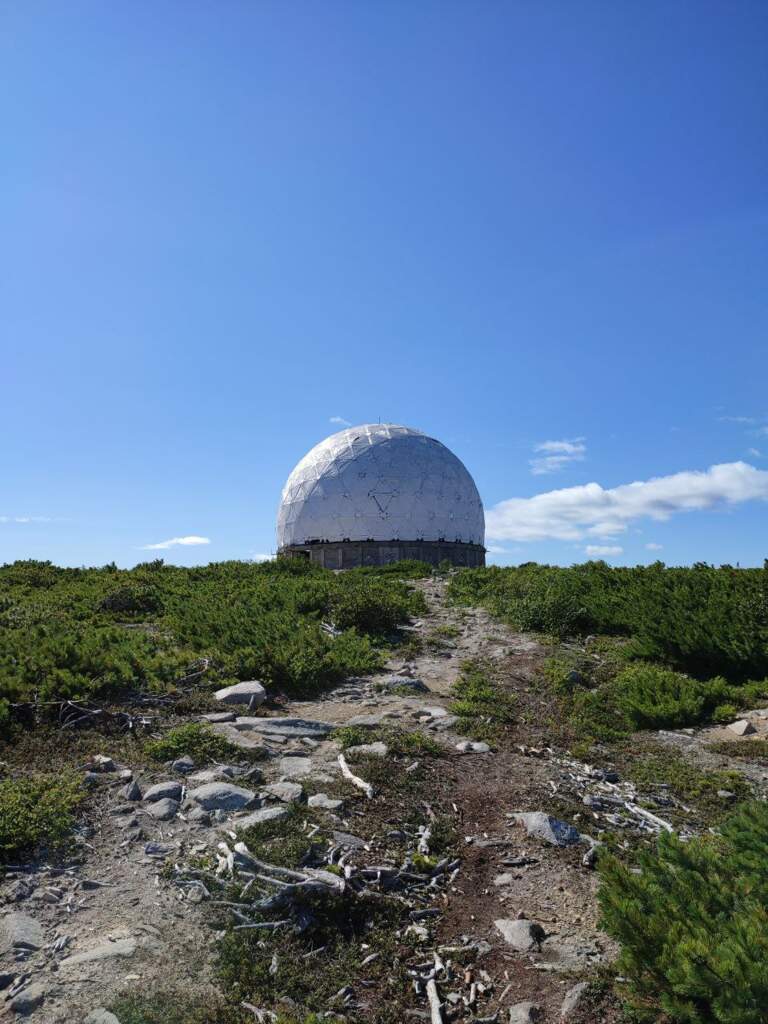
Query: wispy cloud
pixel 603 550
pixel 174 542
pixel 652 546
pixel 755 453
pixel 25 519
pixel 739 419
pixel 261 556
pixel 573 513
pixel 340 421
pixel 555 455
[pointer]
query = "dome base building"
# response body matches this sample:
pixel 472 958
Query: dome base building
pixel 378 493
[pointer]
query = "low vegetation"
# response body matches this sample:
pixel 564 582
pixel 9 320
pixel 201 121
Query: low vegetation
pixel 483 706
pixel 400 742
pixel 693 924
pixel 197 740
pixel 37 813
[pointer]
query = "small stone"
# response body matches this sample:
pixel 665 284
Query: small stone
pixel 132 791
pixel 403 681
pixel 20 931
pixel 102 763
pixel 259 817
pixel 220 716
pixel 505 879
pixel 28 999
pixel 101 1016
pixel 199 816
pixel 347 839
pixel 433 712
pixel 125 774
pixel 222 796
pixel 545 827
pixel 524 1013
pixel 572 998
pixel 726 794
pixel 325 802
pixel 183 765
pixel 288 792
pixel 251 693
pixel 472 747
pixel 377 749
pixel 163 810
pixel 521 935
pixel 163 790
pixel 742 727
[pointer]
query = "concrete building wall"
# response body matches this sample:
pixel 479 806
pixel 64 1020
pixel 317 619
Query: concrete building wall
pixel 351 554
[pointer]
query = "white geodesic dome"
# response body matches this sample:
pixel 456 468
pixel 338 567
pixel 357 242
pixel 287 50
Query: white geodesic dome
pixel 380 482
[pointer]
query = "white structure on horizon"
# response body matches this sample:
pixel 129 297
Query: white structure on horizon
pixel 377 493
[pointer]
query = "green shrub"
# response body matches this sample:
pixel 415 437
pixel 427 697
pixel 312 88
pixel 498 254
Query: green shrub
pixel 37 814
pixel 693 924
pixel 657 698
pixel 196 739
pixel 173 1007
pixel 476 695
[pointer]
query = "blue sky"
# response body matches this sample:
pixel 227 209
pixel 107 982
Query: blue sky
pixel 536 231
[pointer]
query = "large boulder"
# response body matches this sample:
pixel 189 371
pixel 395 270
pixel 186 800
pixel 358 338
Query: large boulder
pixel 251 693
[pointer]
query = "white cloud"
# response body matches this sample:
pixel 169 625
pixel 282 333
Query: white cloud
pixel 652 546
pixel 600 550
pixel 25 519
pixel 340 421
pixel 738 419
pixel 493 550
pixel 174 542
pixel 261 556
pixel 555 455
pixel 573 513
pixel 755 453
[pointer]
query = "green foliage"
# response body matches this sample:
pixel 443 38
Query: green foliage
pixel 37 814
pixel 173 1007
pixel 478 697
pixel 693 923
pixel 689 783
pixel 196 739
pixel 704 620
pixel 96 633
pixel 747 750
pixel 401 742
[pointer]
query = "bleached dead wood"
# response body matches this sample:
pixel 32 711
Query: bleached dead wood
pixel 435 1008
pixel 347 772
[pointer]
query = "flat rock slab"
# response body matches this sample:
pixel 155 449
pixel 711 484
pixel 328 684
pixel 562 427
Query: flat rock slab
pixel 28 999
pixel 222 796
pixel 220 716
pixel 288 792
pixel 572 998
pixel 325 802
pixel 259 817
pixel 346 839
pixel 402 682
pixel 20 931
pixel 163 810
pixel 377 749
pixel 122 947
pixel 524 1013
pixel 521 935
pixel 240 739
pixel 163 791
pixel 548 829
pixel 434 712
pixel 251 693
pixel 298 727
pixel 368 721
pixel 295 767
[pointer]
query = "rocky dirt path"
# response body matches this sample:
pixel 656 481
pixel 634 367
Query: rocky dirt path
pixel 71 937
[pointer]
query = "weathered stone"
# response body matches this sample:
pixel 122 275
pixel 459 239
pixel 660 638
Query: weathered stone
pixel 132 791
pixel 402 682
pixel 20 931
pixel 572 998
pixel 377 749
pixel 325 802
pixel 367 721
pixel 101 1016
pixel 473 747
pixel 183 765
pixel 295 767
pixel 545 827
pixel 121 947
pixel 102 763
pixel 259 817
pixel 199 816
pixel 442 724
pixel 434 712
pixel 163 810
pixel 347 839
pixel 507 878
pixel 742 727
pixel 288 792
pixel 520 935
pixel 250 693
pixel 220 716
pixel 296 727
pixel 162 791
pixel 240 739
pixel 222 796
pixel 28 999
pixel 524 1013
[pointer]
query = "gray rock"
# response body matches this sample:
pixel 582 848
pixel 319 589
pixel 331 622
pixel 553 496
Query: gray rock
pixel 325 802
pixel 220 716
pixel 433 712
pixel 401 682
pixel 377 749
pixel 198 816
pixel 250 693
pixel 367 721
pixel 521 935
pixel 288 792
pixel 347 839
pixel 548 829
pixel 222 796
pixel 442 724
pixel 238 738
pixel 295 767
pixel 259 817
pixel 101 1016
pixel 163 810
pixel 207 775
pixel 296 727
pixel 742 727
pixel 524 1013
pixel 572 998
pixel 28 999
pixel 183 765
pixel 20 931
pixel 121 947
pixel 132 791
pixel 472 747
pixel 102 763
pixel 162 791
